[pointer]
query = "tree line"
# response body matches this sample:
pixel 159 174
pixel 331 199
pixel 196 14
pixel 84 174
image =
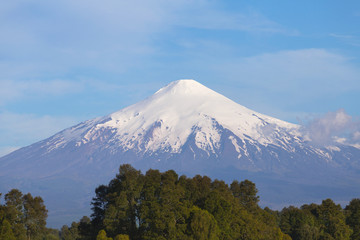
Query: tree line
pixel 163 205
pixel 23 217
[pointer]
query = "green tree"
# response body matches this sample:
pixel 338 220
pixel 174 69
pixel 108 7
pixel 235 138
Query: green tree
pixel 332 220
pixel 150 209
pixel 98 207
pixel 121 212
pixel 51 234
pixel 14 213
pixel 71 233
pixel 35 214
pixel 221 209
pixel 353 218
pixel 161 206
pixel 299 224
pixel 246 192
pixel 102 236
pixel 87 229
pixel 173 209
pixel 202 225
pixel 163 210
pixel 6 231
pixel 196 189
pixel 121 237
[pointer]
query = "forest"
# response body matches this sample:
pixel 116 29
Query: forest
pixel 163 205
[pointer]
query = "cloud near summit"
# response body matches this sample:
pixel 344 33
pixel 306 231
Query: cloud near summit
pixel 333 127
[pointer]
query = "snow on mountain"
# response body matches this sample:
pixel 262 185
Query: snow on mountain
pixel 187 127
pixel 173 113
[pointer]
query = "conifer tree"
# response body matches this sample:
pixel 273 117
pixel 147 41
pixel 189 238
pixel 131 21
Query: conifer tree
pixel 87 229
pixel 299 224
pixel 15 213
pixel 121 211
pixel 161 206
pixel 35 214
pixel 332 219
pixel 71 233
pixel 246 192
pixel 25 216
pixel 353 218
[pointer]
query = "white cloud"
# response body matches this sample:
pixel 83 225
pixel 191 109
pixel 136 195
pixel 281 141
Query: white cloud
pixel 332 126
pixel 24 129
pixel 207 15
pixel 356 136
pixel 348 39
pixel 46 40
pixel 19 130
pixel 299 74
pixel 20 91
pixel 14 90
pixel 150 16
pixel 40 37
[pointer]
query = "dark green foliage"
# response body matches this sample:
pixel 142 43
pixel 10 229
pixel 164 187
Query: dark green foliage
pixel 165 206
pixel 120 215
pixel 86 228
pixel 70 233
pixel 24 217
pixel 98 208
pixel 163 209
pixel 82 230
pixel 51 234
pixel 121 237
pixel 202 225
pixel 14 213
pixel 102 236
pixel 161 206
pixel 332 220
pixel 299 224
pixel 6 231
pixel 353 218
pixel 35 214
pixel 246 193
pixel 324 221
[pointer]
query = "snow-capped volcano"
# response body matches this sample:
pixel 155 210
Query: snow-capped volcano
pixel 184 126
pixel 164 122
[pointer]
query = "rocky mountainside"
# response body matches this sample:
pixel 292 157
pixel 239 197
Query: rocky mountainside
pixel 190 128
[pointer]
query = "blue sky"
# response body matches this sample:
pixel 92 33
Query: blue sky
pixel 62 62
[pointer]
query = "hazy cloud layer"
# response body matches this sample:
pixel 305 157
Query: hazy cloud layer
pixel 208 15
pixel 24 129
pixel 14 90
pixel 306 72
pixel 348 39
pixel 42 41
pixel 281 81
pixel 332 128
pixel 40 37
